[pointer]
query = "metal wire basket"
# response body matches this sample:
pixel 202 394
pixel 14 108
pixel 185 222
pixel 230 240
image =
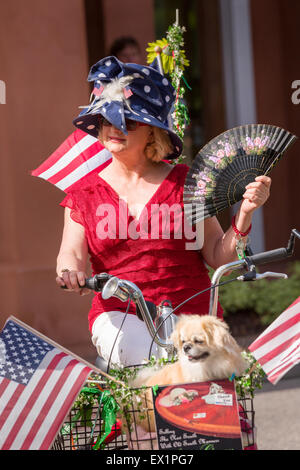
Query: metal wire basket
pixel 141 433
pixel 81 432
pixel 84 433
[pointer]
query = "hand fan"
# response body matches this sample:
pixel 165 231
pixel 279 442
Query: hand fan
pixel 229 162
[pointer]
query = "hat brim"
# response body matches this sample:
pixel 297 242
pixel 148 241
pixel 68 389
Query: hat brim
pixel 89 123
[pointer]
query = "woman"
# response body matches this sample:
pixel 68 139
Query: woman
pixel 117 217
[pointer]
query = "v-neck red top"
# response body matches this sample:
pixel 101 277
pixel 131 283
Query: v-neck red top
pixel 150 252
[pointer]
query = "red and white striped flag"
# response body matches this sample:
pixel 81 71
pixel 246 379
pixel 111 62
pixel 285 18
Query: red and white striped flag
pixel 277 349
pixel 39 382
pixel 77 157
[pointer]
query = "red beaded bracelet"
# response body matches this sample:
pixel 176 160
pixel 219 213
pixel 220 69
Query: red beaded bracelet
pixel 241 234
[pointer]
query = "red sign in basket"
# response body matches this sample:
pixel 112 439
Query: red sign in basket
pixel 207 408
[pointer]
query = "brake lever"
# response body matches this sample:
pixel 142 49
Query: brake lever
pixel 254 276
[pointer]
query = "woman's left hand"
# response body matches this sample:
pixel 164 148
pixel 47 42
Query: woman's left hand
pixel 256 194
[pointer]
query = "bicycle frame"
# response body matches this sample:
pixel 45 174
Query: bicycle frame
pixel 221 271
pixel 124 290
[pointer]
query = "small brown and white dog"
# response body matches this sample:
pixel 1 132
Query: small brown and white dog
pixel 206 351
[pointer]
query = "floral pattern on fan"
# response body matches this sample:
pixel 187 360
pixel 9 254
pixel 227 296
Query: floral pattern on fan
pixel 224 154
pixel 258 145
pixel 205 184
pixel 229 162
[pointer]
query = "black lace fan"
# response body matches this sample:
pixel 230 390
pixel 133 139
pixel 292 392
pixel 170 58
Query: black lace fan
pixel 229 162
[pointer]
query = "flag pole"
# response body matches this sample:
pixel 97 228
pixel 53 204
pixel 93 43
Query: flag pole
pixel 58 346
pixel 253 367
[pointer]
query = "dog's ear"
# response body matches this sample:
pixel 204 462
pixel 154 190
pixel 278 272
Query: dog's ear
pixel 230 345
pixel 222 337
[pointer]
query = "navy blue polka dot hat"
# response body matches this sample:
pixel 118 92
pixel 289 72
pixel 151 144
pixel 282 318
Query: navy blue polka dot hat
pixel 128 91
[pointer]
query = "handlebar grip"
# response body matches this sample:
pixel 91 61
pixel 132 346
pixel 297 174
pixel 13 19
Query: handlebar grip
pixel 91 283
pixel 97 282
pixel 269 256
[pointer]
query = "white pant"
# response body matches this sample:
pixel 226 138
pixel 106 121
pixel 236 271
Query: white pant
pixel 132 342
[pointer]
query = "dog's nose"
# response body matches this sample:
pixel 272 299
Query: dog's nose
pixel 187 347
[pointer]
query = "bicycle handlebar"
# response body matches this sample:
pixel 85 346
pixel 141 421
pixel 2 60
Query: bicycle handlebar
pixel 112 286
pixel 97 282
pixel 268 256
pixel 275 255
pixel 249 262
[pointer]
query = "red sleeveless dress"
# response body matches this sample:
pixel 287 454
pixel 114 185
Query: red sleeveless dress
pixel 150 252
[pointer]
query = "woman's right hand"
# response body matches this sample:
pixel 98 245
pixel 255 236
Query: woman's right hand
pixel 73 281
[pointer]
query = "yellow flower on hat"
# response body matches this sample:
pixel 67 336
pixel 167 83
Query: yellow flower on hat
pixel 162 48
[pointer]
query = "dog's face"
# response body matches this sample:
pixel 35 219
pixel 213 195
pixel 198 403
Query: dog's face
pixel 193 345
pixel 199 338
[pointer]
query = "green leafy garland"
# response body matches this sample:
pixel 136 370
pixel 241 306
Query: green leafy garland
pixel 252 379
pixel 180 114
pixel 173 61
pixel 129 398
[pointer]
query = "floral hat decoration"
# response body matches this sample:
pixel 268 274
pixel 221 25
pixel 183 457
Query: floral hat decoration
pixel 128 91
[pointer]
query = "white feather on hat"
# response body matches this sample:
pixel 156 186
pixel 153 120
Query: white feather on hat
pixel 113 91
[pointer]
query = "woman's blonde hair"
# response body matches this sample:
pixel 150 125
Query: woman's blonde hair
pixel 160 146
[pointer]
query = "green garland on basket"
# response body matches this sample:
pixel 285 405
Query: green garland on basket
pixel 170 53
pixel 116 396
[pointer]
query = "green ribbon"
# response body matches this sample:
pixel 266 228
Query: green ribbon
pixel 92 391
pixel 83 414
pixel 188 86
pixel 109 414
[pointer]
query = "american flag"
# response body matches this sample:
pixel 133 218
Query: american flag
pixel 38 384
pixel 277 349
pixel 77 157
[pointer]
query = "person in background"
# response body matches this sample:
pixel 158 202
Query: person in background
pixel 126 49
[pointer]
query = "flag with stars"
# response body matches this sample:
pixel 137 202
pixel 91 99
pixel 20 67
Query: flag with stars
pixel 39 382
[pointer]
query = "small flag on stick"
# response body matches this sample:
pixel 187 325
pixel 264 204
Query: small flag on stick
pixel 277 349
pixel 39 382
